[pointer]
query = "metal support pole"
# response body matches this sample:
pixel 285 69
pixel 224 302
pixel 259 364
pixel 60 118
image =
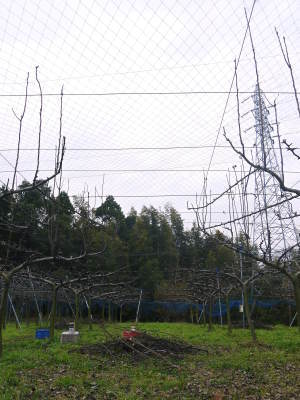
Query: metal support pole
pixel 293 320
pixel 138 309
pixel 199 319
pixel 35 299
pixel 14 311
pixel 87 304
pixel 70 305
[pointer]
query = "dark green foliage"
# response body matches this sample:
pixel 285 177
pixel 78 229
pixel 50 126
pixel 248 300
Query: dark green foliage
pixel 110 212
pixel 153 243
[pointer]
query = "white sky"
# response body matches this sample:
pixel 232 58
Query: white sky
pixel 94 47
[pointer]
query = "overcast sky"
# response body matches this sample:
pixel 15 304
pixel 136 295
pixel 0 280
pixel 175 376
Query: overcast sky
pixel 146 47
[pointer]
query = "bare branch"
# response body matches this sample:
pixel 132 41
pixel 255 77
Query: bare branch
pixel 20 119
pixel 291 149
pixel 286 57
pixel 40 126
pixel 283 187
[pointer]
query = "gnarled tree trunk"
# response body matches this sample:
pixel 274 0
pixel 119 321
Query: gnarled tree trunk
pixel 229 324
pixel 204 313
pixel 76 322
pixel 210 322
pixel 296 286
pixel 248 314
pixel 90 314
pixel 191 314
pixel 103 311
pixel 53 312
pixel 121 311
pixel 109 312
pixel 3 305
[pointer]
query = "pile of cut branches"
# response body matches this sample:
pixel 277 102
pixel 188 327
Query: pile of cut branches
pixel 142 345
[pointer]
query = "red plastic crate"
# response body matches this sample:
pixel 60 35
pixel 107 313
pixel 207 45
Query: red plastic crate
pixel 130 334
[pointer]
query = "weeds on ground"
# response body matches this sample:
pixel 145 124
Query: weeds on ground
pixel 233 369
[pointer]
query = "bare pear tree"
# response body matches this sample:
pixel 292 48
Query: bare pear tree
pixel 9 266
pixel 260 226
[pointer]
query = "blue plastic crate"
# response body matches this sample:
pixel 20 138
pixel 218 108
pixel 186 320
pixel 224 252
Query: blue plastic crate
pixel 42 333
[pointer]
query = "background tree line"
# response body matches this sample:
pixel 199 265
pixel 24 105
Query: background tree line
pixel 153 243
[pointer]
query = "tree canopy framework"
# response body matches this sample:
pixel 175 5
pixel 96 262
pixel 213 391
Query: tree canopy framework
pixel 16 255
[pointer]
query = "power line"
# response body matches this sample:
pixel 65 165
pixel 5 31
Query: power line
pixel 81 77
pixel 136 170
pixel 134 148
pixel 211 212
pixel 184 92
pixel 156 195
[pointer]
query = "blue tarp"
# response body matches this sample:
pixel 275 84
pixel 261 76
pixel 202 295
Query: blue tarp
pixel 179 308
pixel 148 307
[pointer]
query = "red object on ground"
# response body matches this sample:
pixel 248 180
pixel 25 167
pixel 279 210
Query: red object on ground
pixel 130 334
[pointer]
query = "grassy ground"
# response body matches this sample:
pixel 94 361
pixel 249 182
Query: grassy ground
pixel 233 369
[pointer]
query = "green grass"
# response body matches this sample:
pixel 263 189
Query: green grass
pixel 234 368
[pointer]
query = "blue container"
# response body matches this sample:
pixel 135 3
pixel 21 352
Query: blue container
pixel 42 333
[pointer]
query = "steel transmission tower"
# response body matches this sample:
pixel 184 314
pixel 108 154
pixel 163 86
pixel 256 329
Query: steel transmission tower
pixel 274 228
